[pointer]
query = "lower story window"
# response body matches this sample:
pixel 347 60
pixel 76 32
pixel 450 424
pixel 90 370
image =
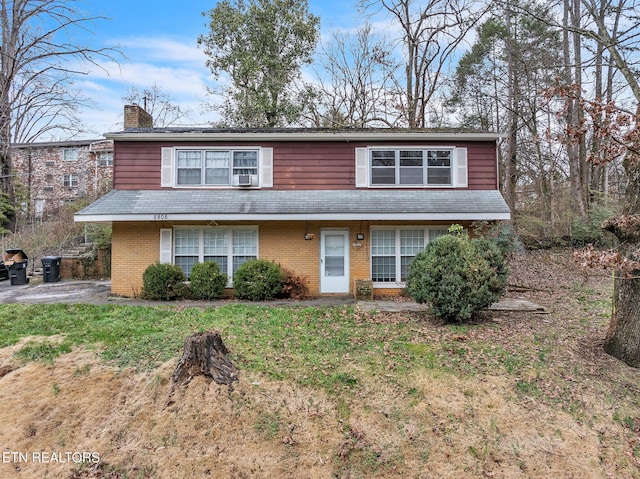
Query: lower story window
pixel 393 249
pixel 229 247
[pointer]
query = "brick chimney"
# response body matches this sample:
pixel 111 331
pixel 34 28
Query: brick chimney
pixel 136 117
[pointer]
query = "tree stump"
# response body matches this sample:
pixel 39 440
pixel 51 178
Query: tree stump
pixel 205 354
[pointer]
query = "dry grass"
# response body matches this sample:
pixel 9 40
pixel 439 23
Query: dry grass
pixel 519 395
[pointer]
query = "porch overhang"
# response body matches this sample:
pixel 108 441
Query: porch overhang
pixel 295 205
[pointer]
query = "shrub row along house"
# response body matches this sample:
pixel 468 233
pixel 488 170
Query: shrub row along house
pixel 335 205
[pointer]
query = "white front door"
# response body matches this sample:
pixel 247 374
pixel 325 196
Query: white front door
pixel 334 261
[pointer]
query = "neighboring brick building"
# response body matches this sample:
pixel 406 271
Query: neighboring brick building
pixel 54 173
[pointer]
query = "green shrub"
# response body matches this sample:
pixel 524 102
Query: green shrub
pixel 588 230
pixel 493 253
pixel 257 280
pixel 457 276
pixel 164 282
pixel 294 286
pixel 207 281
pixel 502 234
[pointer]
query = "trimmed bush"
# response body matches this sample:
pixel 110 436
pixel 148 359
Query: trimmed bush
pixel 164 282
pixel 257 280
pixel 207 281
pixel 457 276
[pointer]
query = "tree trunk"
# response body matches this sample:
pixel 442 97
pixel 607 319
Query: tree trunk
pixel 205 354
pixel 623 336
pixel 574 113
pixel 511 160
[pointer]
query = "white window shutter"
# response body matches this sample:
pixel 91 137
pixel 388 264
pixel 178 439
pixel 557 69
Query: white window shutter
pixel 166 252
pixel 267 168
pixel 461 169
pixel 166 170
pixel 362 167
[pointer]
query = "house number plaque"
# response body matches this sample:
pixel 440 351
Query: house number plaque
pixel 160 217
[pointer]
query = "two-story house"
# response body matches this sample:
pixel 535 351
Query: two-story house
pixel 54 173
pixel 335 205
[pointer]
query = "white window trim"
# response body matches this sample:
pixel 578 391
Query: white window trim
pixel 458 168
pixel 264 167
pixel 230 255
pixel 398 253
pixel 64 154
pixel 71 177
pixel 101 158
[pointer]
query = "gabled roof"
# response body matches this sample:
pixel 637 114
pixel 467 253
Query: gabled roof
pixel 301 134
pixel 270 205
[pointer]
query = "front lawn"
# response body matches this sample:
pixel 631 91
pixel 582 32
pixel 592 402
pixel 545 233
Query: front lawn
pixel 328 392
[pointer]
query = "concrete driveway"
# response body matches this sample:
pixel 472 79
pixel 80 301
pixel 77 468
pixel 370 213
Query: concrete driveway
pixel 99 292
pixel 91 292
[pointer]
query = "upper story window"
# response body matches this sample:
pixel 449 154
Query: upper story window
pixel 105 158
pixel 419 167
pixel 71 154
pixel 70 181
pixel 214 167
pixel 411 167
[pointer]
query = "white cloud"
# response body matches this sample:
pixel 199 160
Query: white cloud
pixel 163 49
pixel 177 68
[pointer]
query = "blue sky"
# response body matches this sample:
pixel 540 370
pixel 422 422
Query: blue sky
pixel 158 38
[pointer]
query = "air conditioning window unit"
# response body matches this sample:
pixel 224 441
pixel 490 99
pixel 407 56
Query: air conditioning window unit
pixel 245 180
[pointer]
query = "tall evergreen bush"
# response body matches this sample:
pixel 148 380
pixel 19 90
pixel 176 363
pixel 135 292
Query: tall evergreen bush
pixel 457 276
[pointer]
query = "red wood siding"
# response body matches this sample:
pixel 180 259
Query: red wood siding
pixel 136 166
pixel 483 166
pixel 321 166
pixel 296 165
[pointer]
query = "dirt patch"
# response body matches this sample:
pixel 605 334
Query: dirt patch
pixel 449 425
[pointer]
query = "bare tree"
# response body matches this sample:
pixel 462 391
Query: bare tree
pixel 158 104
pixel 616 29
pixel 38 58
pixel 359 89
pixel 574 116
pixel 431 34
pixel 622 44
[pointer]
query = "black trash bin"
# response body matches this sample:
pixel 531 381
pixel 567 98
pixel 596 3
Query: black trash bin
pixel 15 260
pixel 4 272
pixel 51 269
